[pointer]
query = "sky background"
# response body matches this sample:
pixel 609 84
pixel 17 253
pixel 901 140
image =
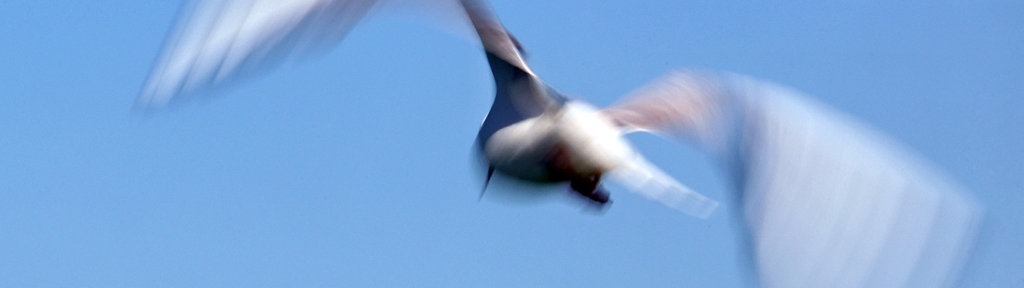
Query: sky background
pixel 356 168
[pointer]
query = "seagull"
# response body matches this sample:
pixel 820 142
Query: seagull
pixel 824 200
pixel 532 133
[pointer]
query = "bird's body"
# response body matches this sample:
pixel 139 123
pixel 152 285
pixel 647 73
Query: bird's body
pixel 533 133
pixel 573 141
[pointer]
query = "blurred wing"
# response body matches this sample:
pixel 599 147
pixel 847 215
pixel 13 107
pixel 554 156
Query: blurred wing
pixel 830 203
pixel 219 41
pixel 680 105
pixel 520 94
pixel 495 39
pixel 827 201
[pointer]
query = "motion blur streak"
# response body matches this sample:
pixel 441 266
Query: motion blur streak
pixel 827 201
pixel 219 41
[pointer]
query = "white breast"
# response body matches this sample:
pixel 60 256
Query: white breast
pixel 590 141
pixel 596 143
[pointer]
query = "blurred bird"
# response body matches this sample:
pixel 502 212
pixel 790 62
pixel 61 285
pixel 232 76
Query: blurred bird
pixel 532 133
pixel 826 201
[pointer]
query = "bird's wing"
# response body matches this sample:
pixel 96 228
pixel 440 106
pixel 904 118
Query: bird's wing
pixel 495 39
pixel 519 91
pixel 827 201
pixel 217 41
pixel 679 105
pixel 830 202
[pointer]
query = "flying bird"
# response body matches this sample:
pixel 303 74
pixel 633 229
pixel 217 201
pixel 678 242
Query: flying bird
pixel 531 133
pixel 825 201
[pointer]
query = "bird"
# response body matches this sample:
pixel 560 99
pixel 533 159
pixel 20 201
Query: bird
pixel 532 133
pixel 823 199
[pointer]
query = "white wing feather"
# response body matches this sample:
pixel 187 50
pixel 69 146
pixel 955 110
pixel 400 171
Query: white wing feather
pixel 219 41
pixel 827 201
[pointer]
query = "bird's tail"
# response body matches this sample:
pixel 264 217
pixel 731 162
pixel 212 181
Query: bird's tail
pixel 642 177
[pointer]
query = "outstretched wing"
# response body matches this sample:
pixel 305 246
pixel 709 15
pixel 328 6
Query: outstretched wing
pixel 520 94
pixel 496 40
pixel 217 41
pixel 680 105
pixel 827 201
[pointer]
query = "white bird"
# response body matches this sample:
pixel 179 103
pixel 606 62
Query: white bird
pixel 826 201
pixel 532 133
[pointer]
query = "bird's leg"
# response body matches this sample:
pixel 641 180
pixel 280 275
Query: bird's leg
pixel 586 186
pixel 589 187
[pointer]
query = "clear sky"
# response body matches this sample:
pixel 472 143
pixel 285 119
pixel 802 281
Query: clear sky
pixel 356 169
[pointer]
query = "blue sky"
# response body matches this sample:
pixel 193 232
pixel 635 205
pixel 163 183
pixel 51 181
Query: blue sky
pixel 356 168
